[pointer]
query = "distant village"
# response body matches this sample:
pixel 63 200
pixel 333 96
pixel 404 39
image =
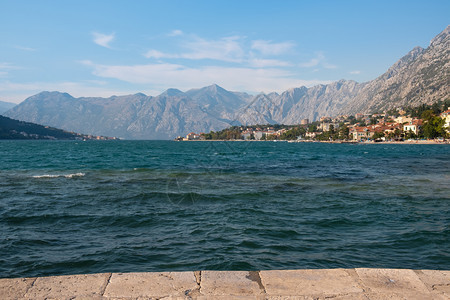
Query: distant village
pixel 427 122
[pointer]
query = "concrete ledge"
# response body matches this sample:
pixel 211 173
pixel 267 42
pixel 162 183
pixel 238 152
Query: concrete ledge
pixel 274 284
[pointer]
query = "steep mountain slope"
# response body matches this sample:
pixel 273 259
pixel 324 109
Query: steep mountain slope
pixel 421 76
pixel 296 104
pixel 218 102
pixel 5 106
pixel 169 115
pixel 13 129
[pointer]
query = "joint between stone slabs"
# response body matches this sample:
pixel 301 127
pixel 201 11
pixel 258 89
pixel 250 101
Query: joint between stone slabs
pixel 192 294
pixel 198 278
pixel 355 276
pixel 256 277
pixel 108 280
pixel 31 285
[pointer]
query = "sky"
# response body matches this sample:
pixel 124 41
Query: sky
pixel 104 48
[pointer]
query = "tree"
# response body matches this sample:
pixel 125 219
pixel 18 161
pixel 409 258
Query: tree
pixel 271 137
pixel 434 127
pixel 331 129
pixel 378 135
pixel 312 128
pixel 393 112
pixel 397 134
pixel 427 115
pixel 343 132
pixel 410 135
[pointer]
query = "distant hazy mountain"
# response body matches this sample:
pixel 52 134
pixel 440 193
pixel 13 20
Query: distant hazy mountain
pixel 421 76
pixel 218 102
pixel 296 104
pixel 134 116
pixel 5 106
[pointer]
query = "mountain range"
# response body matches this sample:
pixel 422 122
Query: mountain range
pixel 421 76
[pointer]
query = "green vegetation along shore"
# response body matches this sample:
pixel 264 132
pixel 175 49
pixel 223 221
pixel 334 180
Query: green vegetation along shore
pixel 425 122
pixel 11 129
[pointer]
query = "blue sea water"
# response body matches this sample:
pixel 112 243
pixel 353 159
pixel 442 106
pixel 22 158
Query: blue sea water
pixel 71 207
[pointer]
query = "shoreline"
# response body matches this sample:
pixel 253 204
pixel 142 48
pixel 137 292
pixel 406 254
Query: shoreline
pixel 358 283
pixel 414 142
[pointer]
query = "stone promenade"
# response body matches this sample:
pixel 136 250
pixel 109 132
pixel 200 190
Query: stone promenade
pixel 286 284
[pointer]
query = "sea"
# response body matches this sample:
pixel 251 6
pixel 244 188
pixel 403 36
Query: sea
pixel 75 207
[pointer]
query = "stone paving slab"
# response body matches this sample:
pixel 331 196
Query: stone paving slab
pixel 399 281
pixel 437 282
pixel 309 282
pixel 236 283
pixel 151 285
pixel 357 284
pixel 15 288
pixel 68 287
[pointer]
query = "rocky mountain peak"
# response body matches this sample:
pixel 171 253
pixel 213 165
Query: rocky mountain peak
pixel 140 95
pixel 53 94
pixel 441 38
pixel 294 92
pixel 210 90
pixel 405 60
pixel 172 93
pixel 50 96
pixel 214 88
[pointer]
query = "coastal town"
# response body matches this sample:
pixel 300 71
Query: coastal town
pixel 424 123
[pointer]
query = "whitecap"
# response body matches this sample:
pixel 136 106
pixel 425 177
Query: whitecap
pixel 79 174
pixel 46 176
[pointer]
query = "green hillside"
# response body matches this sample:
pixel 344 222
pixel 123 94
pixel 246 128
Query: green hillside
pixel 13 129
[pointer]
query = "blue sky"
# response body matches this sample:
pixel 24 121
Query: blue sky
pixel 104 48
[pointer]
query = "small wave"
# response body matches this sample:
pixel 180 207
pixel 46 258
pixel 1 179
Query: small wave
pixel 79 174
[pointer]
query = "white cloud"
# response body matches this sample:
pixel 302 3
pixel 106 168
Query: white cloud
pixel 103 39
pixel 158 54
pixel 228 49
pixel 164 75
pixel 25 48
pixel 356 72
pixel 225 49
pixel 6 67
pixel 312 63
pixel 269 48
pixel 86 62
pixel 319 60
pixel 175 32
pixel 263 63
pixel 17 92
pixel 329 66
